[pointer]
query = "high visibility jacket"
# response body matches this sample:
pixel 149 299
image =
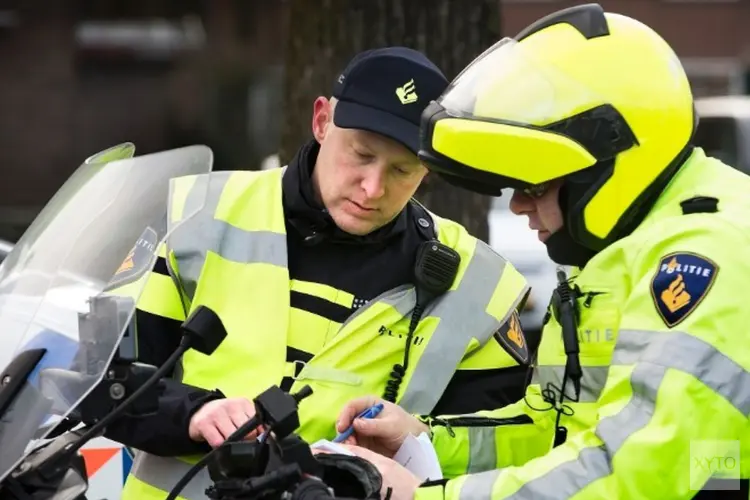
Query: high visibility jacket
pixel 228 251
pixel 665 391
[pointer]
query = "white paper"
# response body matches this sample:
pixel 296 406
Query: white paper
pixel 418 456
pixel 327 445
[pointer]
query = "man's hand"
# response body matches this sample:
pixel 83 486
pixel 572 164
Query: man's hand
pixel 403 483
pixel 383 434
pixel 216 420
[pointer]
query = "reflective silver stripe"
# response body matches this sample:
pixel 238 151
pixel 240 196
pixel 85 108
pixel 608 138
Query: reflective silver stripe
pixel 688 354
pixel 186 241
pixel 163 473
pixel 479 486
pixel 593 379
pixel 653 353
pixel 482 450
pixel 192 241
pixel 463 315
pixel 402 298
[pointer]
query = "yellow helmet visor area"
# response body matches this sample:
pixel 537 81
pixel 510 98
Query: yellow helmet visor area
pixel 507 82
pixel 508 120
pixel 503 151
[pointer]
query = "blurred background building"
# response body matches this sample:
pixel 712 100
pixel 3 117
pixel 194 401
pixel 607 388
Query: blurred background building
pixel 77 76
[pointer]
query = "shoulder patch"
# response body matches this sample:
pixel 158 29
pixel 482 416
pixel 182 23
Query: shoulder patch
pixel 138 261
pixel 511 338
pixel 680 283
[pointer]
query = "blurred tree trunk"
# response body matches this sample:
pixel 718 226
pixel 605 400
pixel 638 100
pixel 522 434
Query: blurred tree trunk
pixel 322 35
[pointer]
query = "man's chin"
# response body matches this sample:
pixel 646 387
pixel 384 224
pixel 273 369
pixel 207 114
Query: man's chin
pixel 353 225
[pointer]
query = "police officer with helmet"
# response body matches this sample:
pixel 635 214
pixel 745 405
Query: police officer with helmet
pixel 325 273
pixel 641 386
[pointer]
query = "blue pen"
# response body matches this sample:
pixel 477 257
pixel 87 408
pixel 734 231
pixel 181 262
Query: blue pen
pixel 371 412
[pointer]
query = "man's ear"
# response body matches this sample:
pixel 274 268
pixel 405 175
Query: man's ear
pixel 322 117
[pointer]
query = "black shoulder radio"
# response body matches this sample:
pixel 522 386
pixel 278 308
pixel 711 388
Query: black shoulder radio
pixel 435 270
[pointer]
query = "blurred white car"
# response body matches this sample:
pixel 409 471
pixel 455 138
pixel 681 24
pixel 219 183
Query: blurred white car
pixel 5 248
pixel 512 238
pixel 724 129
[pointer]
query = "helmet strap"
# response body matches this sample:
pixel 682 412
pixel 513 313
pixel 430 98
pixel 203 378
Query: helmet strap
pixel 562 247
pixel 564 250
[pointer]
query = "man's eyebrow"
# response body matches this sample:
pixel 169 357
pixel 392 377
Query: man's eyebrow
pixel 409 163
pixel 360 144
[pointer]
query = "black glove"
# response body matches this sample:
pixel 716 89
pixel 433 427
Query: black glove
pixel 350 476
pixel 312 489
pixel 340 477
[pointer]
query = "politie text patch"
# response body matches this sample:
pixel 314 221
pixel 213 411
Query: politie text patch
pixel 680 283
pixel 510 336
pixel 138 261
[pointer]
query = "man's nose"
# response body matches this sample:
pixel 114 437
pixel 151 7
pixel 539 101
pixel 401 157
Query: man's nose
pixel 373 183
pixel 521 203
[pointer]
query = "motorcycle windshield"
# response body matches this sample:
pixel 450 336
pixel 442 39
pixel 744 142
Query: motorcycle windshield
pixel 69 287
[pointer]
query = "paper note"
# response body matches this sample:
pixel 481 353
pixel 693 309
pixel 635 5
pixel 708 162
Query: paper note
pixel 418 455
pixel 330 446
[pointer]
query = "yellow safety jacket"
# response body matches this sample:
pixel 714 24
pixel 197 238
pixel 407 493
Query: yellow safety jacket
pixel 665 392
pixel 231 257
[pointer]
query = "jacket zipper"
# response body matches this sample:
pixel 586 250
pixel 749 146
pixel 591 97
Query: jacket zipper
pixel 590 297
pixel 449 423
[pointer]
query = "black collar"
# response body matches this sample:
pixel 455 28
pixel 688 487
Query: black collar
pixel 310 218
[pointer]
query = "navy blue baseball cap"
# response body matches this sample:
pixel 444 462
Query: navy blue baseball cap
pixel 385 91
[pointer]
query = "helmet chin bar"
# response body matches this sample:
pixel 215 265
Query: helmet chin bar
pixel 579 189
pixel 576 193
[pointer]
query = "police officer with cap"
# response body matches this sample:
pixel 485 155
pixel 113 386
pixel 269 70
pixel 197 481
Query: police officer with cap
pixel 325 273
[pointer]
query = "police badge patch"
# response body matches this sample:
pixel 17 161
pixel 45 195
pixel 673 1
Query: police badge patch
pixel 138 261
pixel 511 338
pixel 680 283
